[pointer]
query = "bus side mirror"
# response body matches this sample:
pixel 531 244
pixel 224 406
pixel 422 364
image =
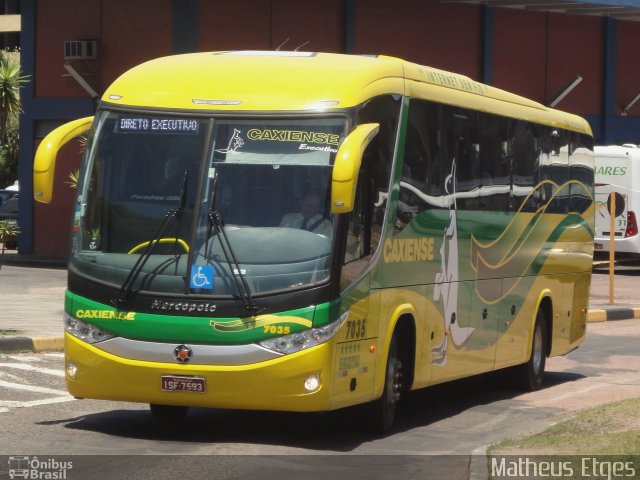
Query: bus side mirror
pixel 344 178
pixel 44 165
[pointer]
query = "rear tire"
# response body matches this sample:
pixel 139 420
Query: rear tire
pixel 167 412
pixel 529 376
pixel 384 409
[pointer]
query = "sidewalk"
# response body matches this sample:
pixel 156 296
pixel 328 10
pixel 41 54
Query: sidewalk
pixel 626 295
pixel 32 306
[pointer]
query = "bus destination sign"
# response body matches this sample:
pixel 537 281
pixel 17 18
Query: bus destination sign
pixel 157 125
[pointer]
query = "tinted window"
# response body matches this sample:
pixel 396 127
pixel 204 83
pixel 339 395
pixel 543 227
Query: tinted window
pixel 494 163
pixel 367 219
pixel 580 164
pixel 462 148
pixel 523 153
pixel 423 171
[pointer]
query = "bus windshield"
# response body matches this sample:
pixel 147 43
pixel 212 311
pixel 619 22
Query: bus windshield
pixel 153 184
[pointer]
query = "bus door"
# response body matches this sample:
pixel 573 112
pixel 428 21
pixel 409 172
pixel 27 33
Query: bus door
pixel 354 364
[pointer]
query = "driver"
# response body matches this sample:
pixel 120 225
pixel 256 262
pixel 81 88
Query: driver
pixel 309 217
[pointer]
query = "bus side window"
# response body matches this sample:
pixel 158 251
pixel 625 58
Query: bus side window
pixel 543 165
pixel 420 168
pixel 367 219
pixel 523 153
pixel 461 139
pixel 357 227
pixel 493 163
pixel 378 156
pixel 363 235
pixel 580 152
pixel 559 170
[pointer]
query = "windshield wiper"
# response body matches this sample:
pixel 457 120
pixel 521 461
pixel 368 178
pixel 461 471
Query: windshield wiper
pixel 172 215
pixel 216 223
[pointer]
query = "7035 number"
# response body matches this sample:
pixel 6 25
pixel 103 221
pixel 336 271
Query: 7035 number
pixel 356 328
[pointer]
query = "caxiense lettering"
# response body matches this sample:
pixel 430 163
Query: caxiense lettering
pixel 408 250
pixel 293 136
pixel 105 314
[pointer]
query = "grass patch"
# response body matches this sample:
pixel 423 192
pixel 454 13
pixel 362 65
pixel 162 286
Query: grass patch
pixel 612 429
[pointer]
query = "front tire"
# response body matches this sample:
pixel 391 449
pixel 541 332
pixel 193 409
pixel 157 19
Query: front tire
pixel 384 409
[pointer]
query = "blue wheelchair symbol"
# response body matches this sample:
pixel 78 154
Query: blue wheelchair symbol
pixel 202 277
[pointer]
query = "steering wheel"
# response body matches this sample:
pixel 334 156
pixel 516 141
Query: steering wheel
pixel 160 241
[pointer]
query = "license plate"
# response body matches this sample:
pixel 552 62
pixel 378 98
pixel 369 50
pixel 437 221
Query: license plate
pixel 175 383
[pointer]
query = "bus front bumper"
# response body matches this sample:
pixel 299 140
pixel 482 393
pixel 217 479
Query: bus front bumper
pixel 277 384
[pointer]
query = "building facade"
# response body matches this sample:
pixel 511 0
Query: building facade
pixel 582 60
pixel 9 24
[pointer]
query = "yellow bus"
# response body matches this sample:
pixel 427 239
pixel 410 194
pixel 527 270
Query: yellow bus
pixel 306 231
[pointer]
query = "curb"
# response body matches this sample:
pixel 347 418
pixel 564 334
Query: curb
pixel 618 313
pixel 35 344
pixel 478 463
pixel 25 261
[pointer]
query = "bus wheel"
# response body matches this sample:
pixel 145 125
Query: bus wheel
pixel 384 409
pixel 168 412
pixel 531 374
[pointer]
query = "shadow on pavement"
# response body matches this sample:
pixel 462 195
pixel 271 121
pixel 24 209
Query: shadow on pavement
pixel 339 431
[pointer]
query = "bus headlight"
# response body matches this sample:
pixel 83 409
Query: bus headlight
pixel 307 339
pixel 84 331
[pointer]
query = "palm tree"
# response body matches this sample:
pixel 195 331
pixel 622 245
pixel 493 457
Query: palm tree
pixel 10 81
pixel 7 230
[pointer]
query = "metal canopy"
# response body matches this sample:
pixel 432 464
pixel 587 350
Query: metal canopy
pixel 619 9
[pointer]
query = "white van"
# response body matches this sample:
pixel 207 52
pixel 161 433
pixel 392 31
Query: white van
pixel 617 172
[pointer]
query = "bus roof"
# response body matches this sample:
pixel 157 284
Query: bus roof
pixel 305 81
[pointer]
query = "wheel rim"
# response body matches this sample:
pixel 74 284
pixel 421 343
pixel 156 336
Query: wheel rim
pixel 394 384
pixel 386 405
pixel 537 351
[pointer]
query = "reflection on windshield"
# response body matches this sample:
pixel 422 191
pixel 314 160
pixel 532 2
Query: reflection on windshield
pixel 132 179
pixel 272 192
pixel 277 142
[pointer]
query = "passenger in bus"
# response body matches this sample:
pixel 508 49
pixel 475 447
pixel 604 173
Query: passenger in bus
pixel 310 215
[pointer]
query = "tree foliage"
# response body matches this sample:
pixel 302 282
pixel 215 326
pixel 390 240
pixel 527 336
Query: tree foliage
pixel 11 79
pixel 8 230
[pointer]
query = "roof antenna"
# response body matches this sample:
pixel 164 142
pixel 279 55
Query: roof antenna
pixel 282 44
pixel 300 46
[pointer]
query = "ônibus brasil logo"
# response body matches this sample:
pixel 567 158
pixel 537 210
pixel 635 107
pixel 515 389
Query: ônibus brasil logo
pixel 35 468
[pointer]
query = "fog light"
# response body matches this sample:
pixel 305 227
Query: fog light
pixel 72 370
pixel 312 383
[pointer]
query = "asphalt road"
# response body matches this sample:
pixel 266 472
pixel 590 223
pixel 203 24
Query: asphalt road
pixel 437 429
